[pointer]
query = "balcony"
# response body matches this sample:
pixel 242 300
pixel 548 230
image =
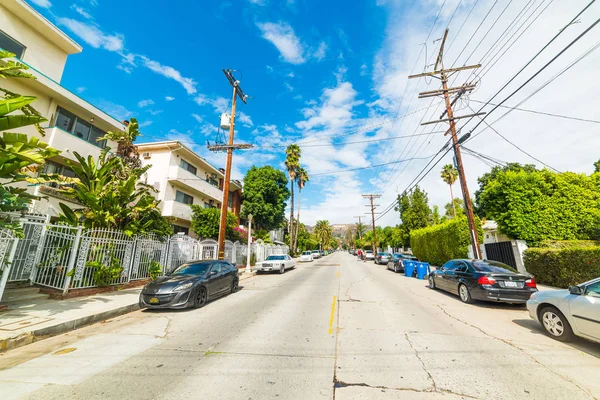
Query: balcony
pixel 194 183
pixel 68 144
pixel 172 208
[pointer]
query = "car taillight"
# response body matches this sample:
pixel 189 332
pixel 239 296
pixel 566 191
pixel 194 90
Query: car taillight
pixel 484 280
pixel 531 283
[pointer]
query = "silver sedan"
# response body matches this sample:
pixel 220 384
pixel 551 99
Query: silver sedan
pixel 567 313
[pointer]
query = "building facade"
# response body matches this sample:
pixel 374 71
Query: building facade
pixel 181 178
pixel 74 125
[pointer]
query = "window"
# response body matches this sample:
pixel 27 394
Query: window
pixel 448 266
pixel 180 229
pixel 188 167
pixel 79 127
pixel 593 289
pixel 51 167
pixel 10 44
pixel 183 198
pixel 492 266
pixel 216 267
pixel 192 269
pixel 461 267
pixel 230 201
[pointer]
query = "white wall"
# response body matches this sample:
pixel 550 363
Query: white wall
pixel 41 53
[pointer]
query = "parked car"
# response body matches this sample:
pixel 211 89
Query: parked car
pixel 483 280
pixel 323 253
pixel 396 262
pixel 369 255
pixel 316 254
pixel 382 258
pixel 276 263
pixel 567 313
pixel 191 285
pixel 306 256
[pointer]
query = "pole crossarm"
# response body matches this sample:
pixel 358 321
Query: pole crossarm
pixel 452 119
pixel 224 147
pixel 439 72
pixel 437 92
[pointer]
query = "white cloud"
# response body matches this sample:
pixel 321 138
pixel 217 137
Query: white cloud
pixel 188 83
pixel 115 110
pixel 319 54
pixel 288 86
pixel 169 98
pixel 42 3
pixel 81 89
pixel 244 119
pixel 145 124
pixel 155 112
pixel 220 104
pixel 81 11
pixel 92 35
pixel 259 2
pixel 145 103
pixel 282 36
pixel 197 118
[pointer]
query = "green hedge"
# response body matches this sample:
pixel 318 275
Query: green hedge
pixel 563 267
pixel 442 242
pixel 563 244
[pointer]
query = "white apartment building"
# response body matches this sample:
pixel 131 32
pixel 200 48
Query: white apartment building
pixel 183 177
pixel 73 124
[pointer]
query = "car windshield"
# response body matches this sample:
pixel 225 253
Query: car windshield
pixel 315 251
pixel 271 258
pixel 369 252
pixel 384 254
pixel 306 253
pixel 494 267
pixel 193 269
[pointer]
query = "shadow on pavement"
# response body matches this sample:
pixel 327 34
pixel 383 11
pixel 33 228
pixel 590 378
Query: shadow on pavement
pixel 534 327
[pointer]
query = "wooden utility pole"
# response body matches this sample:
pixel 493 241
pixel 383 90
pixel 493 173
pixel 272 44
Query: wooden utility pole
pixel 229 147
pixel 371 197
pixel 446 91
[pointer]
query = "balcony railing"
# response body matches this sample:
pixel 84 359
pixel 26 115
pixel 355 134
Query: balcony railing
pixel 195 183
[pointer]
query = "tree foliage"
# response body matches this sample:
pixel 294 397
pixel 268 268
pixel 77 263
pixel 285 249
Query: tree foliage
pixel 125 147
pixel 537 205
pixel 323 233
pixel 562 267
pixel 108 201
pixel 414 212
pixel 265 195
pixel 205 223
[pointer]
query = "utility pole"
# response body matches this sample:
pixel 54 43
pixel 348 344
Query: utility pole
pixel 446 92
pixel 371 197
pixel 237 92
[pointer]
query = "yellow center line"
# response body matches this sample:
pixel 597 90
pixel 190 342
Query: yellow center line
pixel 332 314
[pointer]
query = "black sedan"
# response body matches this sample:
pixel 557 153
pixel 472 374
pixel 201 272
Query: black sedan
pixel 483 280
pixel 396 261
pixel 191 285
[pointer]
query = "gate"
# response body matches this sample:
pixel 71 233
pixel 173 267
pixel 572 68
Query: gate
pixel 148 249
pixel 56 254
pixel 181 249
pixel 209 249
pixel 501 251
pixel 24 259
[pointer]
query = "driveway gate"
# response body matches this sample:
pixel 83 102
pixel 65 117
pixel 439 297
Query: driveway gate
pixel 501 251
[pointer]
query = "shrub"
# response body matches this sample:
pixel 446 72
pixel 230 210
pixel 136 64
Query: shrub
pixel 563 244
pixel 563 267
pixel 154 270
pixel 442 242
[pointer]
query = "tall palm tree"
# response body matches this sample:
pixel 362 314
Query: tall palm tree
pixel 302 178
pixel 292 162
pixel 323 232
pixel 449 175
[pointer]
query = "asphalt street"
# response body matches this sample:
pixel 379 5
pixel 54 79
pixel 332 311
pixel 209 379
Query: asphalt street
pixel 336 328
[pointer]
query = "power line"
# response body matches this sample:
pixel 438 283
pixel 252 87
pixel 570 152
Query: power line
pixel 594 121
pixel 362 168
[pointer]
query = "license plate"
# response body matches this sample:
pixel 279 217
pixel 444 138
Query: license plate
pixel 510 284
pixel 153 300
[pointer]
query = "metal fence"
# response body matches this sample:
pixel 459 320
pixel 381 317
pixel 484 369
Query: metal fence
pixel 64 257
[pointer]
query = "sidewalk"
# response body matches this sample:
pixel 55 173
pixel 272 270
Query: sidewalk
pixel 23 324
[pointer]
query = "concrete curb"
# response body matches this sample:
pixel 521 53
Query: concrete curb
pixel 67 326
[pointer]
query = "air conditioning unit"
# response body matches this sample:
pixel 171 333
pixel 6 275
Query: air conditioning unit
pixel 146 155
pixel 214 176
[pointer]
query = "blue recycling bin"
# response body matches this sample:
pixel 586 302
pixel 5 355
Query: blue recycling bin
pixel 409 268
pixel 422 270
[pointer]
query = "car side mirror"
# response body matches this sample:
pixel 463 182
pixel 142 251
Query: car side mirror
pixel 213 273
pixel 576 290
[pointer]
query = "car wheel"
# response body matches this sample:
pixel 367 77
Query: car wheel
pixel 431 282
pixel 282 269
pixel 465 295
pixel 200 297
pixel 235 285
pixel 555 324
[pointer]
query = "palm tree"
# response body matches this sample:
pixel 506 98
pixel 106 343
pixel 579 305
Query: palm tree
pixel 449 175
pixel 292 162
pixel 323 232
pixel 302 177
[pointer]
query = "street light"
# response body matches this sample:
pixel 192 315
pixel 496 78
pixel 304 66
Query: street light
pixel 248 267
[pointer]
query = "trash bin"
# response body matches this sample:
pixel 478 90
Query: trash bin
pixel 422 270
pixel 409 268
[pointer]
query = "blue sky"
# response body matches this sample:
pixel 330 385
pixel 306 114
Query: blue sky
pixel 318 73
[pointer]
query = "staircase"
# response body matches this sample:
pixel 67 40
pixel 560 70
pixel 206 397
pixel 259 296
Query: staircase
pixel 20 293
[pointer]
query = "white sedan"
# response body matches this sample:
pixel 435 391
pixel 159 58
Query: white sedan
pixel 276 263
pixel 306 257
pixel 567 313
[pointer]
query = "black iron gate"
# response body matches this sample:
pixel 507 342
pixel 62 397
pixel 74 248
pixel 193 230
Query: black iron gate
pixel 501 251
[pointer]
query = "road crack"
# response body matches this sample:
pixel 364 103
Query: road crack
pixel 429 376
pixel 511 344
pixel 340 384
